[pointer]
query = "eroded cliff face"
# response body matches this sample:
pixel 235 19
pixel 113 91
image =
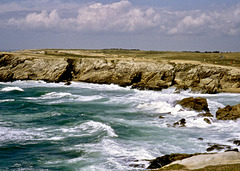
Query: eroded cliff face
pixel 29 68
pixel 124 72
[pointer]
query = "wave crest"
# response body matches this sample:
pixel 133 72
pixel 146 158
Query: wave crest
pixel 7 89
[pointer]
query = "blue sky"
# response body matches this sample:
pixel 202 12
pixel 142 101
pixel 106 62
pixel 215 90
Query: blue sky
pixel 143 24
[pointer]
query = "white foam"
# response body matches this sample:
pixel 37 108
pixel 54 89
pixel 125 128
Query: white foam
pixel 115 149
pixel 65 97
pixel 88 98
pixel 100 87
pixel 92 126
pixel 55 95
pixel 197 122
pixel 32 84
pixel 86 129
pixel 10 134
pixel 7 100
pixel 12 89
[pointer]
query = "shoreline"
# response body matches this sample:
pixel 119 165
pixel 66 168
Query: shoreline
pixel 137 73
pixel 125 69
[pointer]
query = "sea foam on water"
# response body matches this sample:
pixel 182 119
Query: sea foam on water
pixel 103 127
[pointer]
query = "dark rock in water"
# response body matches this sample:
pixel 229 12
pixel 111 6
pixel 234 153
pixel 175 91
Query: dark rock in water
pixel 237 142
pixel 200 139
pixel 161 117
pixel 197 104
pixel 167 159
pixel 218 147
pixel 235 149
pixel 137 165
pixel 68 83
pixel 207 114
pixel 207 120
pixel 228 113
pixel 180 123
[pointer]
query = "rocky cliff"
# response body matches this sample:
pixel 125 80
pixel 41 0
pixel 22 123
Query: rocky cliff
pixel 138 73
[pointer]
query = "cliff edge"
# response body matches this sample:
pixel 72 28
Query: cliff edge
pixel 136 72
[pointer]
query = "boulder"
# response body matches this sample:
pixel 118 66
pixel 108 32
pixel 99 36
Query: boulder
pixel 180 123
pixel 197 104
pixel 217 147
pixel 228 113
pixel 161 117
pixel 237 142
pixel 167 159
pixel 207 120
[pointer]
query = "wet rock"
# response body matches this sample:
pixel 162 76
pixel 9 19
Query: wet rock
pixel 207 120
pixel 180 123
pixel 218 147
pixel 167 159
pixel 207 114
pixel 161 117
pixel 197 104
pixel 200 139
pixel 228 113
pixel 235 149
pixel 137 165
pixel 68 83
pixel 237 142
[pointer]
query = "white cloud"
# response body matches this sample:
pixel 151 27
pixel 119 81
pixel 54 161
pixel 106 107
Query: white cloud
pixel 123 16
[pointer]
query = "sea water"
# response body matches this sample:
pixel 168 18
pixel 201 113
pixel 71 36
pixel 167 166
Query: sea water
pixel 52 126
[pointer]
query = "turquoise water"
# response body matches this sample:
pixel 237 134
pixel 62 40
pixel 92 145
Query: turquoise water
pixel 51 126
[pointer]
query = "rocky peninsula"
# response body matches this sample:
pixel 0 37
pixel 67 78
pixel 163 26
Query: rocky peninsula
pixel 139 69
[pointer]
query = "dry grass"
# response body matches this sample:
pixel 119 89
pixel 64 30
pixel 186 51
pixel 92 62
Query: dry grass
pixel 225 59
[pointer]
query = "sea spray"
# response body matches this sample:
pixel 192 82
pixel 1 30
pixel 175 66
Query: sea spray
pixel 102 127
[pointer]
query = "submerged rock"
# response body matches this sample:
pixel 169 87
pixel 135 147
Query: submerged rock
pixel 180 123
pixel 207 120
pixel 228 113
pixel 161 117
pixel 68 83
pixel 197 104
pixel 218 147
pixel 237 142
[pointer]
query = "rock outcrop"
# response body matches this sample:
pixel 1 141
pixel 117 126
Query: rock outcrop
pixel 167 159
pixel 228 113
pixel 197 104
pixel 204 160
pixel 207 114
pixel 28 68
pixel 138 73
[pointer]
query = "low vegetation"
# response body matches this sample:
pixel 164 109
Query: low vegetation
pixel 214 57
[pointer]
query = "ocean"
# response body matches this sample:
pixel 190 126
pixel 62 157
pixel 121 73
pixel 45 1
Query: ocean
pixel 88 127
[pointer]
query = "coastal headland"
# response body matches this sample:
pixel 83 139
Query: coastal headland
pixel 207 72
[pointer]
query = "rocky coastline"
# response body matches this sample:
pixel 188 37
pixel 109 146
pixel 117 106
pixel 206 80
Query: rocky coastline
pixel 226 156
pixel 137 73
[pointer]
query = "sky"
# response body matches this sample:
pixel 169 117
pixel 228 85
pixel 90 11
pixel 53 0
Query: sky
pixel 175 25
